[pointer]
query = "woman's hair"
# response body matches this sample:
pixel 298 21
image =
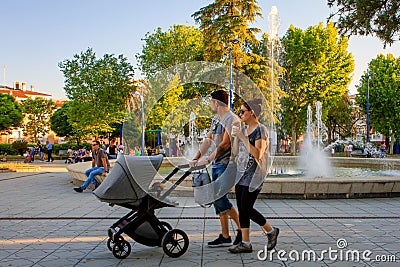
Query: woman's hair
pixel 254 105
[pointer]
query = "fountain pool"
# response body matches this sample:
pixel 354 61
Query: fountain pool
pixel 339 172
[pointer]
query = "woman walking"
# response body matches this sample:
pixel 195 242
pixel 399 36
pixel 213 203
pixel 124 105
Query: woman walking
pixel 251 145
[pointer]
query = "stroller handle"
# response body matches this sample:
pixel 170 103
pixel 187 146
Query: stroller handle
pixel 194 168
pixel 183 166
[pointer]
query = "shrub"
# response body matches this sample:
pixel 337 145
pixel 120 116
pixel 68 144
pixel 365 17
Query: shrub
pixel 20 146
pixel 6 149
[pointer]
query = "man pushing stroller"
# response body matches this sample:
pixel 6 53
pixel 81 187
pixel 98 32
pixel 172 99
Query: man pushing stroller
pixel 221 126
pixel 100 166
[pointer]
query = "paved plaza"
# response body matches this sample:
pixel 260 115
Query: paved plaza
pixel 44 223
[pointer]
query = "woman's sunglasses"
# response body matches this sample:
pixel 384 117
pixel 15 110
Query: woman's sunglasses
pixel 241 112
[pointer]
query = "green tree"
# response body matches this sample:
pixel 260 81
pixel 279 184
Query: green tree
pixel 164 106
pixel 59 122
pixel 318 67
pixel 224 21
pixel 115 132
pixel 179 44
pixel 98 90
pixel 11 112
pixel 340 118
pixel 384 94
pixel 178 120
pixel 368 17
pixel 163 50
pixel 37 117
pixel 226 27
pixel 60 125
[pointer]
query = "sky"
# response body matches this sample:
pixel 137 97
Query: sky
pixel 37 35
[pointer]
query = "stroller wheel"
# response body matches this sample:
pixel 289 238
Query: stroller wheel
pixel 121 250
pixel 166 225
pixel 175 243
pixel 110 244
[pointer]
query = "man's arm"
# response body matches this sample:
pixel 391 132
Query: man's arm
pixel 222 147
pixel 104 161
pixel 203 149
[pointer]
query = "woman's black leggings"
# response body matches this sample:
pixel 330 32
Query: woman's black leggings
pixel 245 202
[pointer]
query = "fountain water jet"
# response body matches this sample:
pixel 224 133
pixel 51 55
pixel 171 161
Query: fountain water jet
pixel 312 158
pixel 192 148
pixel 273 23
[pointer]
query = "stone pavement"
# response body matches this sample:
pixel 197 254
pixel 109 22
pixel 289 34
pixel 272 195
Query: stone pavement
pixel 44 223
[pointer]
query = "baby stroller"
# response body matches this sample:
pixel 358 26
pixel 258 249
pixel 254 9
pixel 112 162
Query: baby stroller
pixel 124 187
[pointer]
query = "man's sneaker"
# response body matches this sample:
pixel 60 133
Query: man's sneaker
pixel 241 248
pixel 238 238
pixel 272 238
pixel 220 242
pixel 78 189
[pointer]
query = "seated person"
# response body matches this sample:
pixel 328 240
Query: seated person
pixel 161 150
pixel 100 166
pixel 79 155
pixel 70 156
pixel 120 151
pixel 112 150
pixel 367 152
pixel 87 156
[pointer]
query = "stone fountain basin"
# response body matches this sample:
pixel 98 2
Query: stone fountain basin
pixel 299 187
pixel 334 187
pixel 327 187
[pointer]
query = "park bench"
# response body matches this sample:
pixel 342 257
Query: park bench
pixel 62 153
pixel 77 171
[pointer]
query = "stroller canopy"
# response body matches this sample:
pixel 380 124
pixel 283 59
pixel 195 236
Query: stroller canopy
pixel 129 180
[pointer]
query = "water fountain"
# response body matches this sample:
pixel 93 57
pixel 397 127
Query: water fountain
pixel 274 43
pixel 312 158
pixel 192 128
pixel 192 148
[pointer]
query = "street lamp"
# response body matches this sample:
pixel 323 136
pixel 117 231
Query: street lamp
pixel 142 102
pixel 367 106
pixel 234 41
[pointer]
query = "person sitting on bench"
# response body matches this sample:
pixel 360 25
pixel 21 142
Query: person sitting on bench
pixel 100 166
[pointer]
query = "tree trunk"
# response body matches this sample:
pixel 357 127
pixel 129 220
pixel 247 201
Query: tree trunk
pixel 331 134
pixel 390 145
pixel 293 145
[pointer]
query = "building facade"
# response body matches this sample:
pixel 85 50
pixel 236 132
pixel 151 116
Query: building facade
pixel 20 92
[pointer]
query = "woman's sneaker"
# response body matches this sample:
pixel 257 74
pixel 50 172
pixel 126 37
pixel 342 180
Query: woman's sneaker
pixel 272 238
pixel 220 242
pixel 241 248
pixel 238 238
